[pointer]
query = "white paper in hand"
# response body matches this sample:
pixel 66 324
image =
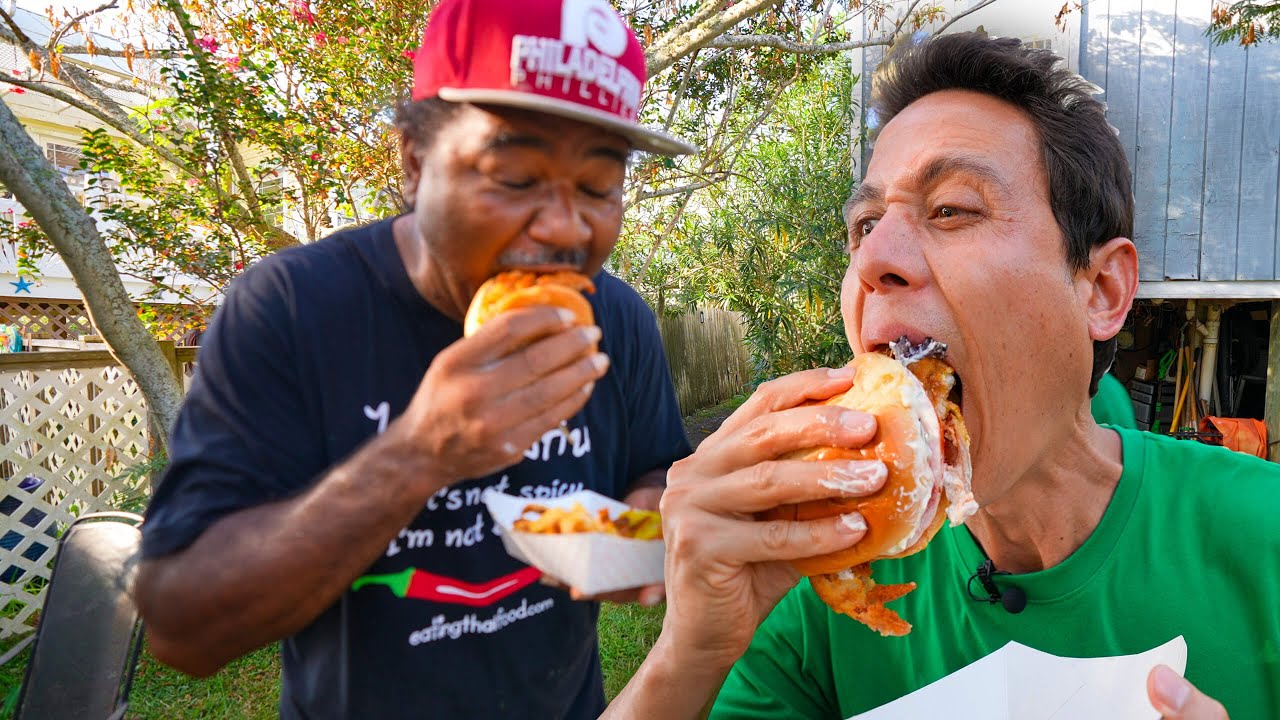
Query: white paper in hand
pixel 1018 682
pixel 593 563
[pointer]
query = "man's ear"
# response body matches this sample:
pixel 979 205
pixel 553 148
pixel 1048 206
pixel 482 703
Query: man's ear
pixel 1111 282
pixel 410 168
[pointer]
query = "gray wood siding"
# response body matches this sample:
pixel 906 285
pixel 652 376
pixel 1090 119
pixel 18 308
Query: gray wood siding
pixel 1201 124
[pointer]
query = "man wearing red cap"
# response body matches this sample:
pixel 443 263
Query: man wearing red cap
pixel 327 468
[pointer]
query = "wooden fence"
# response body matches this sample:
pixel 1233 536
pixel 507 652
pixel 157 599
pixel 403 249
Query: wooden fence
pixel 72 424
pixel 707 356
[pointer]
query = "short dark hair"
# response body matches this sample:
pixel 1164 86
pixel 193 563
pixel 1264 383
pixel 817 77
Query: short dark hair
pixel 1090 187
pixel 420 120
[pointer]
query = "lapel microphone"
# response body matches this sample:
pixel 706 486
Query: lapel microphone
pixel 1013 599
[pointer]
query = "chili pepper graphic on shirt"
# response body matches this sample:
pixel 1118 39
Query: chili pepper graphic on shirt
pixel 422 585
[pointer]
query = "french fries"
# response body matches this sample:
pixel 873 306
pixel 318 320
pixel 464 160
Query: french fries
pixel 634 524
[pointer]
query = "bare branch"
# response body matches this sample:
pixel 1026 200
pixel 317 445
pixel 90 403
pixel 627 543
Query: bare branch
pixel 958 16
pixel 789 45
pixel 107 52
pixel 57 34
pixel 902 19
pixel 708 9
pixel 642 196
pixel 669 52
pixel 679 96
pixel 14 33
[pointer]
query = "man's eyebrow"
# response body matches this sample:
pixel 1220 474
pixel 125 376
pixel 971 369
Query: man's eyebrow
pixel 940 167
pixel 937 169
pixel 866 193
pixel 611 153
pixel 505 140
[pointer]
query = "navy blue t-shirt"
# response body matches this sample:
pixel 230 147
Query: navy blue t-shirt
pixel 314 350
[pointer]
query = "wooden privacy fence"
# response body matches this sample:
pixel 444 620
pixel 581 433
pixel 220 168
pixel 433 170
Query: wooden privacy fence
pixel 707 356
pixel 71 425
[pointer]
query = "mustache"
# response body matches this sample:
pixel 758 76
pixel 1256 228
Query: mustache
pixel 575 257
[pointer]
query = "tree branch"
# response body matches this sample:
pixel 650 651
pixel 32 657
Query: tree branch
pixel 642 196
pixel 108 52
pixel 667 53
pixel 958 16
pixel 704 12
pixel 61 30
pixel 789 45
pixel 40 189
pixel 229 146
pixel 14 34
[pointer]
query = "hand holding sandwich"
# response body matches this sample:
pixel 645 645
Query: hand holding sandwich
pixel 725 569
pixel 527 363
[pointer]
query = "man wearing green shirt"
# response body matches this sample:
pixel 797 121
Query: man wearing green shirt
pixel 995 216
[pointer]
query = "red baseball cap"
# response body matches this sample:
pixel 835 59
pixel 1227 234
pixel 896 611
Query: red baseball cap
pixel 572 58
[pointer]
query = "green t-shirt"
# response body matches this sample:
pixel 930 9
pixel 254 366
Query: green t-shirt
pixel 1111 405
pixel 1189 545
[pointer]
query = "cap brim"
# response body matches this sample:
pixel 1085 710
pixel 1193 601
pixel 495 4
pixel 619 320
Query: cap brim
pixel 641 138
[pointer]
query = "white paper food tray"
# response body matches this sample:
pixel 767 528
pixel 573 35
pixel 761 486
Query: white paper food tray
pixel 593 563
pixel 1020 683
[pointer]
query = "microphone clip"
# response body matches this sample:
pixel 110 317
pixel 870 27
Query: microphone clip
pixel 983 575
pixel 1014 599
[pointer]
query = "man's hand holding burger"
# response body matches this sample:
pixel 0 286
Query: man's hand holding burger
pixel 489 396
pixel 725 569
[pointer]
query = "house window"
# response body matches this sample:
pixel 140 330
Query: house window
pixel 1040 44
pixel 271 191
pixel 64 157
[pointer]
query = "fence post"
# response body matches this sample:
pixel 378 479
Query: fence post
pixel 170 350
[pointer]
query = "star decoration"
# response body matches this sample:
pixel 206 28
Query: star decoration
pixel 23 285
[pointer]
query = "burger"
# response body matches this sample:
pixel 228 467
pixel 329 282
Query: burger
pixel 519 288
pixel 921 439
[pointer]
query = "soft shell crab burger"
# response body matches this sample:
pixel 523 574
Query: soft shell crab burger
pixel 519 288
pixel 922 441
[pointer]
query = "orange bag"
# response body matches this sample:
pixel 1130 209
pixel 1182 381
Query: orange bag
pixel 1244 435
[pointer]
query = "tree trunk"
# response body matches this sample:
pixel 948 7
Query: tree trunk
pixel 40 189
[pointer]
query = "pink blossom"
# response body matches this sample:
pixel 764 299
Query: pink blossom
pixel 209 43
pixel 301 11
pixel 17 90
pixel 409 54
pixel 24 224
pixel 321 38
pixel 342 40
pixel 315 157
pixel 192 182
pixel 19 72
pixel 233 63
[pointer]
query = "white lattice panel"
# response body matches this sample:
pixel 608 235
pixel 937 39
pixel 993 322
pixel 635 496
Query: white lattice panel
pixel 75 430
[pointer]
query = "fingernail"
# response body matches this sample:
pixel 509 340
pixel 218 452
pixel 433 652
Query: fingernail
pixel 852 523
pixel 1171 688
pixel 588 388
pixel 855 420
pixel 600 361
pixel 650 599
pixel 856 477
pixel 508 448
pixel 841 373
pixel 566 316
pixel 591 334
